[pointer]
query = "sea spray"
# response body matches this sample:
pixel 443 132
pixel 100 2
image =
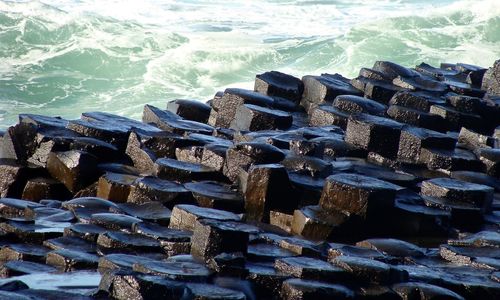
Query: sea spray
pixel 66 57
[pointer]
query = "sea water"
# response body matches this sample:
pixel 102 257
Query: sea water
pixel 64 57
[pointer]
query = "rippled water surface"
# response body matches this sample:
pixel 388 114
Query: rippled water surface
pixel 66 57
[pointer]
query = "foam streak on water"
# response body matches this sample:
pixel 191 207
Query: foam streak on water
pixel 69 56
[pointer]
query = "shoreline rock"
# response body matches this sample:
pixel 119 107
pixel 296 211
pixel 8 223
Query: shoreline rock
pixel 384 186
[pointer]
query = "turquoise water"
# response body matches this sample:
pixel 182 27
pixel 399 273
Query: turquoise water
pixel 66 57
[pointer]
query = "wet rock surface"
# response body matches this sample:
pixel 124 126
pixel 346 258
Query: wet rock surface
pixel 384 186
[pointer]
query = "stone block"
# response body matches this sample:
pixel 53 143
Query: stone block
pixel 374 134
pixel 279 84
pixel 190 110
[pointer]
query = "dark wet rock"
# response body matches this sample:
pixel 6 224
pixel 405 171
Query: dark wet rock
pixel 27 231
pixel 229 264
pixel 88 191
pixel 374 133
pixel 47 141
pixel 113 221
pixel 413 139
pixel 307 165
pixel 76 169
pixel 88 202
pixel 357 194
pixel 19 142
pixel 119 261
pixel 184 216
pixel 211 194
pixel 115 187
pixel 476 177
pixel 25 252
pixel 480 239
pixel 41 213
pixel 113 240
pixel 298 289
pixel 267 253
pixel 372 74
pixel 491 79
pixel 314 223
pixel 124 285
pixel 268 188
pixel 463 88
pixel 168 121
pixel 171 169
pixel 70 243
pixel 455 119
pixel 40 188
pixel 421 83
pixel 378 90
pixel 214 156
pixel 15 208
pixel 365 168
pixel 241 156
pixel 450 160
pixel 55 294
pixel 302 246
pixel 376 292
pixel 72 259
pixel 207 139
pixel 464 216
pixel 281 220
pixel 153 189
pixel 336 250
pixel 40 121
pixel 109 132
pixel 118 168
pixel 416 118
pixel 393 70
pixel 306 188
pixel 325 88
pixel 190 109
pixel 144 148
pixel 212 237
pixel 212 292
pixel 18 268
pixel 418 290
pixel 438 73
pixel 173 241
pixel 183 271
pixel 254 118
pixel 278 84
pixel 13 296
pixel 310 268
pixel 369 270
pixel 190 154
pixel 355 104
pixel 13 179
pixel 416 219
pixel 265 279
pixel 459 191
pixel 102 150
pixel 88 232
pixel 324 115
pixel 465 104
pixel 149 211
pixel 12 286
pixel 491 159
pixel 463 255
pixel 421 101
pixel 393 247
pixel 224 112
pixel 126 123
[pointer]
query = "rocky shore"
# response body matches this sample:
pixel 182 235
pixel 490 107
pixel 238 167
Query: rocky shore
pixel 385 186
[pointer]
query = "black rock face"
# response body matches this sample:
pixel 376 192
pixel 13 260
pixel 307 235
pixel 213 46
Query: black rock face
pixel 385 186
